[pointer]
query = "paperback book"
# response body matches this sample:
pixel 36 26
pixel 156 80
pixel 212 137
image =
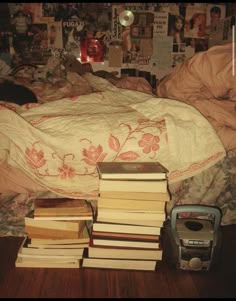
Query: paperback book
pixel 133 185
pixel 120 264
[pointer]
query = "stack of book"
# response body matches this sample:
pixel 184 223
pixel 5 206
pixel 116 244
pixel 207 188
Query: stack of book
pixel 57 233
pixel 130 214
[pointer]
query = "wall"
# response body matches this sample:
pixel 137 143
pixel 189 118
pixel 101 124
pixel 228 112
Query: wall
pixel 134 38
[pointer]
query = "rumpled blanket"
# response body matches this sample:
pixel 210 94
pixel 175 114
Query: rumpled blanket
pixel 207 81
pixel 58 143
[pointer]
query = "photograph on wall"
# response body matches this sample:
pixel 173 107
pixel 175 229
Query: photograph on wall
pixel 55 35
pixel 223 33
pixel 195 22
pixel 176 28
pixel 34 10
pixel 215 12
pixel 49 9
pixel 137 35
pixel 21 36
pixel 39 44
pixel 15 7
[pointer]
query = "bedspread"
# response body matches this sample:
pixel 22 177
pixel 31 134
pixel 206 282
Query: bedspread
pixel 57 144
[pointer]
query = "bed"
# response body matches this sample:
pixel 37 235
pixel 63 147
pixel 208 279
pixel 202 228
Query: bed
pixel 50 148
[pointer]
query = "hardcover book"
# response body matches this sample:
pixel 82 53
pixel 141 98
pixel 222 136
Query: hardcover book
pixel 132 170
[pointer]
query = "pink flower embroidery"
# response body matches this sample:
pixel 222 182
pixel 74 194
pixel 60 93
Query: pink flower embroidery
pixel 149 143
pixel 35 158
pixel 66 171
pixel 93 154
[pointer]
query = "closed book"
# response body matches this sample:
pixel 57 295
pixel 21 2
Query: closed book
pixel 143 196
pixel 82 239
pixel 151 223
pixel 63 218
pixel 24 263
pixel 120 264
pixel 77 226
pixel 131 170
pixel 124 253
pixel 53 229
pixel 50 257
pixel 44 233
pixel 62 207
pixel 59 246
pixel 50 251
pixel 125 243
pixel 121 228
pixel 125 236
pixel 133 185
pixel 144 215
pixel 129 204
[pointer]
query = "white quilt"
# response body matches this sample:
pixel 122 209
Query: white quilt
pixel 58 143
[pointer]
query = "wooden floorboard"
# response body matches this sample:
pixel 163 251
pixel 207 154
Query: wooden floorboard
pixel 166 282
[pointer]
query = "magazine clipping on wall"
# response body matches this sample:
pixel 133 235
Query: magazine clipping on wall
pixel 215 12
pixel 72 31
pixel 89 32
pixel 137 34
pixel 153 37
pixel 223 33
pixel 195 22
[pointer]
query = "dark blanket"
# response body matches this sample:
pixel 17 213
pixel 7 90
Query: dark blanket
pixel 15 93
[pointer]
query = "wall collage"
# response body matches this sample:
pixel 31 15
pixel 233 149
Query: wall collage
pixel 126 37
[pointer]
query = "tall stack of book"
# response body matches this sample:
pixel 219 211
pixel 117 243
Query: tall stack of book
pixel 130 214
pixel 57 233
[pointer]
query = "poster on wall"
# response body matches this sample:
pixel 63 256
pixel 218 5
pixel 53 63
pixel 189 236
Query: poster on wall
pixel 215 12
pixel 85 27
pixel 160 24
pixel 137 37
pixel 176 28
pixel 35 11
pixel 55 35
pixel 195 22
pixel 223 34
pixel 72 31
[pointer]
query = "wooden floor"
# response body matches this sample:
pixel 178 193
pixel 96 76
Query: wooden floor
pixel 166 282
